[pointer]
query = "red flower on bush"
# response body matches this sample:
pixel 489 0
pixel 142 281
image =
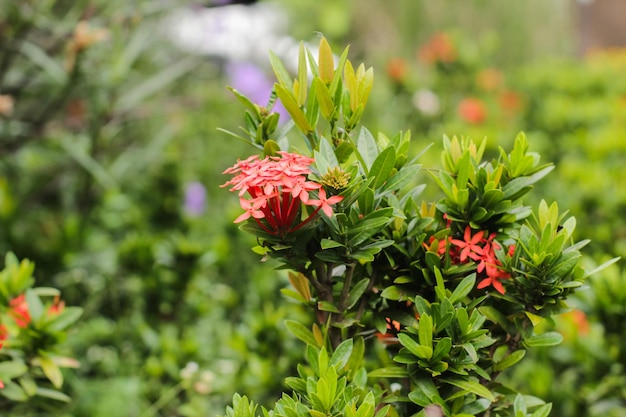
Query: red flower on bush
pixel 472 110
pixel 279 187
pixel 475 247
pixel 439 48
pixel 19 311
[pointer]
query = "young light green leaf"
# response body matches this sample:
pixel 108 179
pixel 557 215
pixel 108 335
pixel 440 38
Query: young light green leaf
pixel 303 83
pixel 298 330
pixel 283 77
pixel 292 108
pixel 327 107
pixel 341 355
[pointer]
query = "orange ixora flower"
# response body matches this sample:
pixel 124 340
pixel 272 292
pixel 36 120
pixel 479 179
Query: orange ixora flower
pixel 19 311
pixel 472 110
pixel 475 247
pixel 439 48
pixel 278 187
pixel 397 69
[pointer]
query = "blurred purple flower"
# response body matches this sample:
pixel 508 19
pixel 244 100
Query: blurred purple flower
pixel 253 82
pixel 195 199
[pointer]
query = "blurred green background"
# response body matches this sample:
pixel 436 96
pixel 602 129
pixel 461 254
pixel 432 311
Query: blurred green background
pixel 111 161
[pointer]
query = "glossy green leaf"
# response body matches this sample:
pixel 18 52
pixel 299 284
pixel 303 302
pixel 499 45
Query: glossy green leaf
pixel 357 292
pixel 292 108
pixel 298 330
pixel 472 386
pixel 463 289
pixel 382 166
pixel 327 107
pixel 510 360
pixel 368 150
pixel 425 330
pixel 544 339
pixel 389 372
pixel 422 352
pixel 341 355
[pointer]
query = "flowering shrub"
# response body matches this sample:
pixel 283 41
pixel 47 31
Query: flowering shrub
pixel 33 322
pixel 456 288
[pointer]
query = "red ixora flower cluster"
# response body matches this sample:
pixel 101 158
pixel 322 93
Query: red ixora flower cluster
pixel 480 249
pixel 279 187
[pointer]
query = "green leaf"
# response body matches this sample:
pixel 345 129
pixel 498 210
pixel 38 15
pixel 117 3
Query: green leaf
pixel 325 62
pixel 425 330
pixel 39 57
pixel 366 201
pixel 543 411
pixel 327 107
pixel 12 369
pixel 329 244
pixel 51 370
pixel 422 352
pixel 29 385
pixel 389 372
pixel 544 340
pixel 288 292
pixel 327 306
pixel 13 392
pixel 293 109
pixel 35 306
pixel 246 102
pixel 519 406
pixel 53 394
pixel 401 178
pixel 470 386
pixel 65 319
pixel 271 148
pixel 303 83
pixel 283 77
pixel 463 289
pixel 301 332
pixel 367 148
pixel 510 360
pixel 382 166
pixel 357 292
pixel 341 355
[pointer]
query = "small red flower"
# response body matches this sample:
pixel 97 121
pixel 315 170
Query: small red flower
pixel 472 110
pixel 279 187
pixel 439 48
pixel 57 306
pixel 469 246
pixel 19 311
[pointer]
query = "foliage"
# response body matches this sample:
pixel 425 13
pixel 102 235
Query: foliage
pixel 33 323
pixel 376 256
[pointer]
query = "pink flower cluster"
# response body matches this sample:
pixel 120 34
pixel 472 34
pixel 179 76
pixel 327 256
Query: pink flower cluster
pixel 481 250
pixel 278 187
